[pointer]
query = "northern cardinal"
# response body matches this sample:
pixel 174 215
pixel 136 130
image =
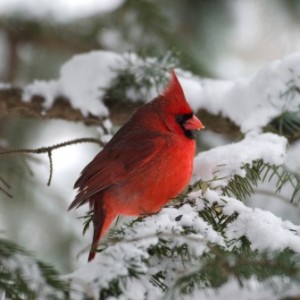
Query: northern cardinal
pixel 148 162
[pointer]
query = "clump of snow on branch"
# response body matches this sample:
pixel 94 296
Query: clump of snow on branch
pixel 223 162
pixel 24 266
pixel 85 77
pixel 132 250
pixel 264 230
pixel 82 80
pixel 86 280
pixel 253 102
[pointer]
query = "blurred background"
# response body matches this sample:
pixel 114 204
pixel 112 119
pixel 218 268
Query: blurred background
pixel 217 39
pixel 224 39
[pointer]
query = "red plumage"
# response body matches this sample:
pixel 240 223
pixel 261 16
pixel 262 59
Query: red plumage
pixel 147 162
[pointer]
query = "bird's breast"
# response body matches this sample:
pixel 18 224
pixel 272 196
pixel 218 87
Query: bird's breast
pixel 158 182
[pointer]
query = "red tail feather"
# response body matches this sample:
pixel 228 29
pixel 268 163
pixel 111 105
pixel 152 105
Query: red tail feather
pixel 102 220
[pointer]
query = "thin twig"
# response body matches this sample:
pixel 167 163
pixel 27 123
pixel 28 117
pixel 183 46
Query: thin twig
pixel 6 192
pixel 4 182
pixel 49 150
pixel 53 147
pixel 51 167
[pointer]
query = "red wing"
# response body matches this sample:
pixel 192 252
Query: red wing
pixel 119 158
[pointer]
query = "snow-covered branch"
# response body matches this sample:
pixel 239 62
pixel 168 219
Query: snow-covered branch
pixel 88 84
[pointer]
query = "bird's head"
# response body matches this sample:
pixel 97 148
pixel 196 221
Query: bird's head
pixel 175 110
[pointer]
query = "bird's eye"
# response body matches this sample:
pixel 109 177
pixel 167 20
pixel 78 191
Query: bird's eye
pixel 181 119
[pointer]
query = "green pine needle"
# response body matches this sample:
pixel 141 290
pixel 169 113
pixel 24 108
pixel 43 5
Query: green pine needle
pixel 15 284
pixel 88 218
pixel 219 265
pixel 243 187
pixel 288 123
pixel 143 76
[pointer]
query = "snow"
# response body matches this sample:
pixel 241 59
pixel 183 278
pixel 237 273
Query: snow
pixel 49 90
pixel 130 246
pixel 133 247
pixel 224 162
pixel 28 268
pixel 122 257
pixel 263 229
pixel 292 159
pixel 253 102
pixel 82 80
pixel 4 86
pixel 61 10
pixel 252 289
pixel 250 103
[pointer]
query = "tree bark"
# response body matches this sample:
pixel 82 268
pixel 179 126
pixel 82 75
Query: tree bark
pixel 11 104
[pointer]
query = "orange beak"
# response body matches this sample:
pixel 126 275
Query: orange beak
pixel 193 124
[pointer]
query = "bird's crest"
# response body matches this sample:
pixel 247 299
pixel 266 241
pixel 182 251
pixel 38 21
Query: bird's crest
pixel 174 95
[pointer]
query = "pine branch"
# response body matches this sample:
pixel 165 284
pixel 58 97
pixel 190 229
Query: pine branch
pixel 287 124
pixel 114 288
pixel 139 75
pixel 181 260
pixel 87 219
pixel 243 187
pixel 219 265
pixel 214 216
pixel 24 277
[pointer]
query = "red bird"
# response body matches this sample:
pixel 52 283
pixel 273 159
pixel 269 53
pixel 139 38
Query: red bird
pixel 148 162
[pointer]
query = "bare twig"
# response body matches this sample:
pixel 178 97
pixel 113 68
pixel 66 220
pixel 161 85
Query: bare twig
pixel 51 167
pixel 53 147
pixel 4 182
pixel 49 150
pixel 5 190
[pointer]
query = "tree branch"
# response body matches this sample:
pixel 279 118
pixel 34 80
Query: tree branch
pixel 47 150
pixel 11 104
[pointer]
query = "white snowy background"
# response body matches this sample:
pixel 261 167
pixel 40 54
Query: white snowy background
pixel 248 94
